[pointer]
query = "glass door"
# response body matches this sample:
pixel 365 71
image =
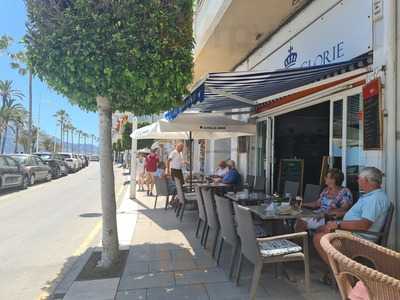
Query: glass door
pixel 346 149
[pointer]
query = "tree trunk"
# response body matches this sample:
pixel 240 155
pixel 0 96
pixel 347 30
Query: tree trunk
pixel 30 112
pixel 66 146
pixel 110 254
pixel 61 137
pixel 72 141
pixel 16 139
pixel 3 145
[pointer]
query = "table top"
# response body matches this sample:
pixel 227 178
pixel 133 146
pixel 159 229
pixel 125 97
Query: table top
pixel 213 185
pixel 250 197
pixel 260 211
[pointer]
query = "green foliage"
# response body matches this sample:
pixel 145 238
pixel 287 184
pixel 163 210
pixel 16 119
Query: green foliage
pixel 118 147
pixel 136 53
pixel 5 42
pixel 126 139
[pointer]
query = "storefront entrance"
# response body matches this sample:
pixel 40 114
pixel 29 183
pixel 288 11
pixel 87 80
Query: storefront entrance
pixel 303 134
pixel 325 135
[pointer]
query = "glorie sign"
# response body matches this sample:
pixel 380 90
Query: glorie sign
pixel 343 33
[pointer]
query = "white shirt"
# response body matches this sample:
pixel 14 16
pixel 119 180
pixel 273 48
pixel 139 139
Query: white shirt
pixel 176 160
pixel 221 172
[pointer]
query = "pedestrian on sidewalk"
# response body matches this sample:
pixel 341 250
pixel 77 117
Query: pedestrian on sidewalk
pixel 140 173
pixel 151 164
pixel 176 163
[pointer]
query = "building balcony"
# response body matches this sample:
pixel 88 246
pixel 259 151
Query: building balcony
pixel 227 31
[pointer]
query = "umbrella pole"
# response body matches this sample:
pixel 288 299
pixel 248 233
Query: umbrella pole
pixel 191 160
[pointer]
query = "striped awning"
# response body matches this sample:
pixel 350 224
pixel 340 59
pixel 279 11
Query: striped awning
pixel 234 90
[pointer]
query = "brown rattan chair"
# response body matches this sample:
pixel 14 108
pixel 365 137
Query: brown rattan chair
pixel 382 282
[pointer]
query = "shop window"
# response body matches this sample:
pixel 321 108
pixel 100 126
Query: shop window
pixel 243 144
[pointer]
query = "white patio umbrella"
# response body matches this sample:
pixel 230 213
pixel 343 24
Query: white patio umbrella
pixel 208 126
pixel 193 125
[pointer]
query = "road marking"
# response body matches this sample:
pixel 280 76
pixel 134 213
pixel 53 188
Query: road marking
pixel 85 244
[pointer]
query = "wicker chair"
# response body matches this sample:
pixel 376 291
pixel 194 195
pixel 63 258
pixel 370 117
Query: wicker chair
pixel 382 283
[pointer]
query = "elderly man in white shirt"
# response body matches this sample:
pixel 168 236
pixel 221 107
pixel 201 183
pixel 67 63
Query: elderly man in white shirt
pixel 176 163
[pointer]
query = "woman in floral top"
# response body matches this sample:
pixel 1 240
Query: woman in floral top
pixel 334 199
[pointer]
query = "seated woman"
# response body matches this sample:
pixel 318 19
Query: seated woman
pixel 334 199
pixel 160 172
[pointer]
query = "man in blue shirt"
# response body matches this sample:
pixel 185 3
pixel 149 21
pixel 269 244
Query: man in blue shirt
pixel 233 176
pixel 369 213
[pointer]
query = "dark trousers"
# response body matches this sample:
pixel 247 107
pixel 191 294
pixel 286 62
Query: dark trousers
pixel 178 174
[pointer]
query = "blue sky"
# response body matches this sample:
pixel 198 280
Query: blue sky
pixel 12 23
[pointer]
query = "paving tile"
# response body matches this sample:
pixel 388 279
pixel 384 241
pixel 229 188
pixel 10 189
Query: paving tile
pixel 148 254
pixel 139 294
pixel 148 280
pixel 327 295
pixel 281 289
pixel 183 292
pixel 136 267
pixel 200 276
pixel 103 289
pixel 229 291
pixel 175 265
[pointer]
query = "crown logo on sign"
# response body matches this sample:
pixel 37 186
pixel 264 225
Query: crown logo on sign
pixel 291 58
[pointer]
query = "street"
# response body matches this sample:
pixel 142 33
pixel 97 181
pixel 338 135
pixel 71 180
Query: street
pixel 44 227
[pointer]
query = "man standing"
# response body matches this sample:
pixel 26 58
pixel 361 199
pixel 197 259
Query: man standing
pixel 176 163
pixel 369 212
pixel 151 164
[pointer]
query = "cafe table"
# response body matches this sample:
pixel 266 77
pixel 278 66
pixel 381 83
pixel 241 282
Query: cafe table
pixel 261 212
pixel 247 199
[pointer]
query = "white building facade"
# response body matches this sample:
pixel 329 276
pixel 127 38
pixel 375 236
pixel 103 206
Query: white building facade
pixel 324 119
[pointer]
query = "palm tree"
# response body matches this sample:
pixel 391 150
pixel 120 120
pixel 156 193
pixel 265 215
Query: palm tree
pixel 19 62
pixel 8 112
pixel 80 132
pixel 67 128
pixel 62 118
pixel 73 129
pixel 19 120
pixel 85 136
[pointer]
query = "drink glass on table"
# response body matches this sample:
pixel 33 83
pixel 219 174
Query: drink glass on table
pixel 298 202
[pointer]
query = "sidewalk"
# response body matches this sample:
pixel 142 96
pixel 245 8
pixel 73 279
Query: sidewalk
pixel 166 261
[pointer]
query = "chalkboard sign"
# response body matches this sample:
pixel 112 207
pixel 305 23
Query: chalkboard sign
pixel 372 116
pixel 290 170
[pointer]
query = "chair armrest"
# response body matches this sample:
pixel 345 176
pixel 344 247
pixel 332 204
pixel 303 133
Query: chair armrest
pixel 377 234
pixel 297 235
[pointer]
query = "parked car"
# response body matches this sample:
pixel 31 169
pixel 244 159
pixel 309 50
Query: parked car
pixel 94 158
pixel 12 174
pixel 84 159
pixel 55 162
pixel 80 161
pixel 35 167
pixel 71 160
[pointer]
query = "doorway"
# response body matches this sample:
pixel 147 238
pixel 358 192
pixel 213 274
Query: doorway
pixel 303 134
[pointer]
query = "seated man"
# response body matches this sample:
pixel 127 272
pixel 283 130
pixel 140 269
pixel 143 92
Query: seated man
pixel 368 213
pixel 222 169
pixel 233 176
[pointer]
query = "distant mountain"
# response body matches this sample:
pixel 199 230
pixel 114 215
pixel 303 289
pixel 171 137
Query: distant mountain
pixel 78 148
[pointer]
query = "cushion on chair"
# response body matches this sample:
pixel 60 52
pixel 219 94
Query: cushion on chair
pixel 278 247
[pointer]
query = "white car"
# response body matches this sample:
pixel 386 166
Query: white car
pixel 80 162
pixel 71 161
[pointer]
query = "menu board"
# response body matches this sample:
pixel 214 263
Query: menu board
pixel 372 115
pixel 290 170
